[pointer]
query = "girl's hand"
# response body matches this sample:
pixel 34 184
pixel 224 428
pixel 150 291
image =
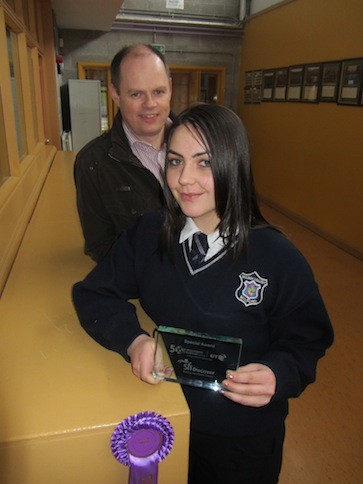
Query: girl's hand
pixel 253 385
pixel 141 353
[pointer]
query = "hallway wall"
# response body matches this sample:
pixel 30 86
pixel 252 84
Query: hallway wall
pixel 308 158
pixel 205 50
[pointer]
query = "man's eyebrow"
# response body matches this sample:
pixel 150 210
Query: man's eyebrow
pixel 156 88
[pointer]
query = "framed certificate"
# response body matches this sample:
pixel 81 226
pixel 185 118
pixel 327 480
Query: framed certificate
pixel 247 95
pixel 280 84
pixel 268 85
pixel 248 87
pixel 330 77
pixel 257 87
pixel 351 80
pixel 249 79
pixel 311 83
pixel 294 83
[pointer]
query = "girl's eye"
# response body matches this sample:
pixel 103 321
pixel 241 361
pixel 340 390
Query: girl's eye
pixel 174 161
pixel 205 163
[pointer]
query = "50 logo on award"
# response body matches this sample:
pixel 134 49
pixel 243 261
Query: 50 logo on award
pixel 176 349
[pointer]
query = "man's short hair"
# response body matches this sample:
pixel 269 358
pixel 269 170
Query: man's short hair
pixel 137 50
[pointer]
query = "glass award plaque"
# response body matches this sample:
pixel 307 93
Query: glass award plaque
pixel 195 359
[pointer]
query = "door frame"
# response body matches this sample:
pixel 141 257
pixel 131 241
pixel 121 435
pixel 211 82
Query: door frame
pixel 196 74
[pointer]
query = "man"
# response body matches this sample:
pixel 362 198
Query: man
pixel 118 174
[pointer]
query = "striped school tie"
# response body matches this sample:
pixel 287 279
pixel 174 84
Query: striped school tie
pixel 198 250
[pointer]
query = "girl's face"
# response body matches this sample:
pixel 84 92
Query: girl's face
pixel 189 177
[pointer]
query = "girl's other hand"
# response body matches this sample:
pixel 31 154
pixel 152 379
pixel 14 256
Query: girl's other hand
pixel 252 385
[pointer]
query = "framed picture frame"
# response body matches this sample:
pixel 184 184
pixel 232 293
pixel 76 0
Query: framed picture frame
pixel 268 85
pixel 248 87
pixel 351 81
pixel 249 79
pixel 247 95
pixel 280 84
pixel 311 83
pixel 329 85
pixel 295 83
pixel 257 87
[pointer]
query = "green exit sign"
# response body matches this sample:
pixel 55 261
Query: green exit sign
pixel 159 47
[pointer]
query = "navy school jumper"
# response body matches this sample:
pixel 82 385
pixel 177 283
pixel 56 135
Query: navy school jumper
pixel 270 300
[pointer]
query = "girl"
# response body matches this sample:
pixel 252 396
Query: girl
pixel 248 281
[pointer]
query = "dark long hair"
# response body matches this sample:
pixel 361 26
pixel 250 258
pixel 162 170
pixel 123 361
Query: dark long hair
pixel 222 133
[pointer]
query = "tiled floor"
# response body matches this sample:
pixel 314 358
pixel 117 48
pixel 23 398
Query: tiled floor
pixel 324 441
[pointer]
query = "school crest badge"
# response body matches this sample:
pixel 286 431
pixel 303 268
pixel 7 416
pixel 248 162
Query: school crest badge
pixel 251 289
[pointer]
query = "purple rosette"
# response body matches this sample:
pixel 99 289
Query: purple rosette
pixel 140 442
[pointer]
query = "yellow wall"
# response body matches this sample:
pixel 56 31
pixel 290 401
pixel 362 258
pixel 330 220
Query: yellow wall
pixel 308 158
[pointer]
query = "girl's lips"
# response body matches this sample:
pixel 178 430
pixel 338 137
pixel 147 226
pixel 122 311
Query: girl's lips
pixel 189 197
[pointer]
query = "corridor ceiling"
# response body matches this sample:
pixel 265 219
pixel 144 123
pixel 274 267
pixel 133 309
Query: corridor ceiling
pixel 197 15
pixel 86 14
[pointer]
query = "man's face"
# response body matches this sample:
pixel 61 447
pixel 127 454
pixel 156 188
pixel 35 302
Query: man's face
pixel 144 96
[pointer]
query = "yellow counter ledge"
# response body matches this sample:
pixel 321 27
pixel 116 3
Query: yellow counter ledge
pixel 62 395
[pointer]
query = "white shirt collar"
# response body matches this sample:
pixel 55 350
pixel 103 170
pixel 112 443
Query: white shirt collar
pixel 190 228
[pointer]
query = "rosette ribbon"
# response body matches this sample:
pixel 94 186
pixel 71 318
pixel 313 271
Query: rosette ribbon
pixel 140 442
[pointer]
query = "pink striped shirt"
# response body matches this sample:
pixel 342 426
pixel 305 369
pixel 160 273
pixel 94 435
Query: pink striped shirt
pixel 150 157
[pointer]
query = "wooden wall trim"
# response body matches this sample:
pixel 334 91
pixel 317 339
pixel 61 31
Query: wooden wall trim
pixel 18 209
